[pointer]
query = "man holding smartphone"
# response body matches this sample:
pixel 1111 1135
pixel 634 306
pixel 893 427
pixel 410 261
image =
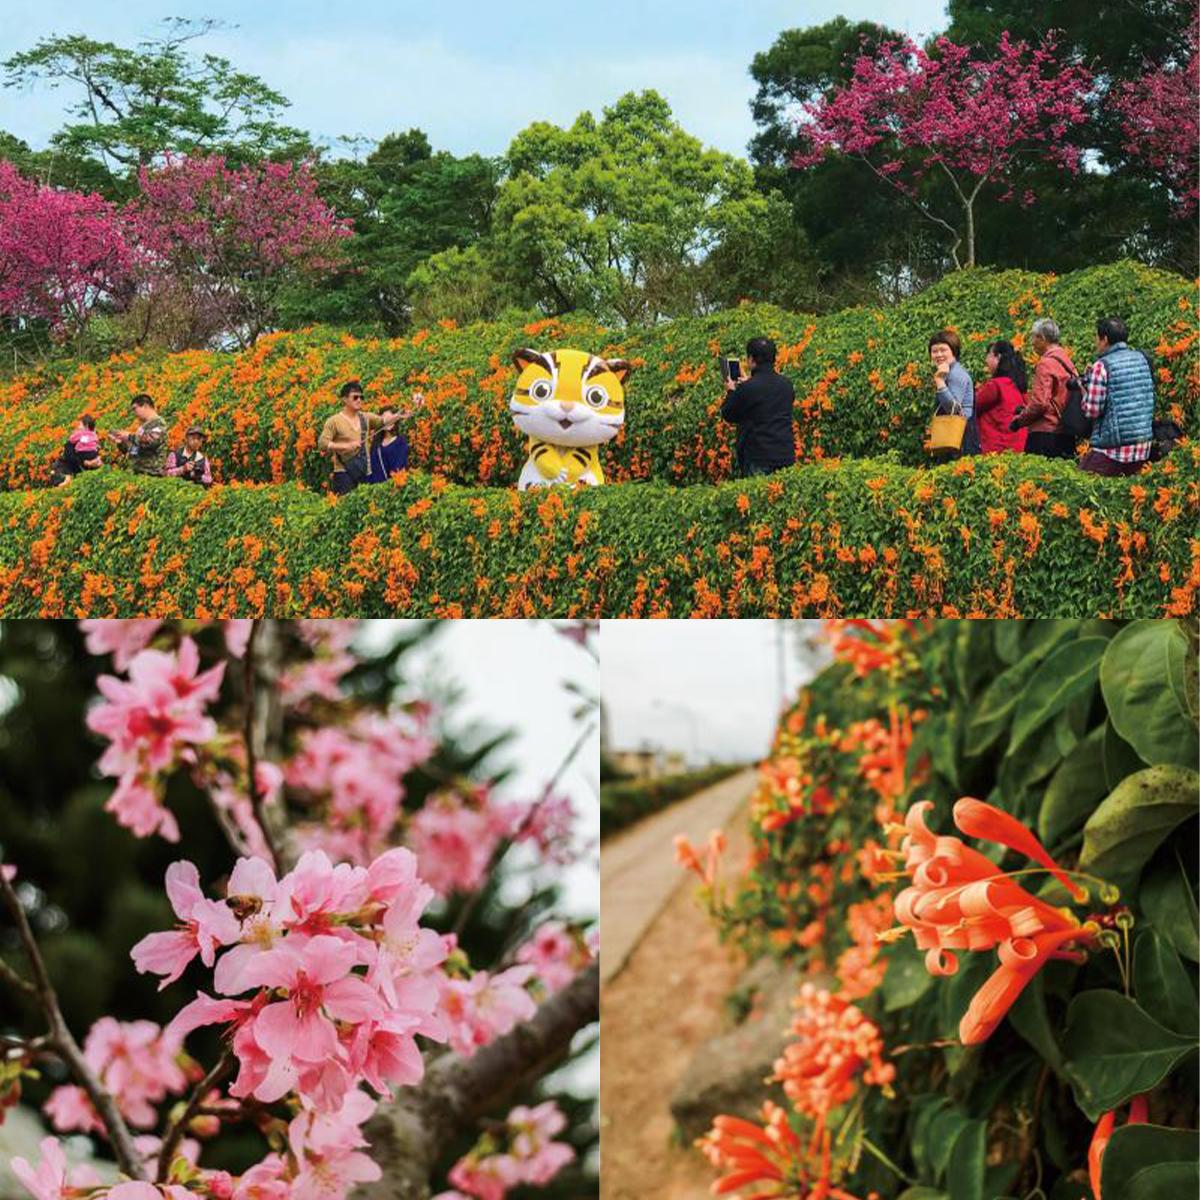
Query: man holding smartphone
pixel 762 409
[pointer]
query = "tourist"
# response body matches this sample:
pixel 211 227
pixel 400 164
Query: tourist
pixel 189 461
pixel 344 437
pixel 953 390
pixel 81 452
pixel 1118 396
pixel 389 447
pixel 146 446
pixel 762 409
pixel 999 397
pixel 1043 410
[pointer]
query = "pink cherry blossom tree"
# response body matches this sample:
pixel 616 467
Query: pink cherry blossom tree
pixel 223 242
pixel 909 113
pixel 61 253
pixel 1161 121
pixel 356 1038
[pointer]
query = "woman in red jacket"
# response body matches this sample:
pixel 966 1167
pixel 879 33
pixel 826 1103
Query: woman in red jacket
pixel 997 400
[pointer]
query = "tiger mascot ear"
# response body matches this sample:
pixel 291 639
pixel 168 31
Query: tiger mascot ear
pixel 525 358
pixel 620 367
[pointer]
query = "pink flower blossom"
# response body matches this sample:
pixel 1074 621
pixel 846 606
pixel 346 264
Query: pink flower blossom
pixel 555 954
pixel 122 639
pixel 485 1007
pixel 237 637
pixel 157 711
pixel 205 925
pixel 328 1150
pixel 136 1063
pixel 48 1180
pixel 453 842
pixel 69 1108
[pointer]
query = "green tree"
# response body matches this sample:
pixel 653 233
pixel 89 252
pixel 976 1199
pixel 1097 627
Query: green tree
pixel 619 216
pixel 130 106
pixel 407 204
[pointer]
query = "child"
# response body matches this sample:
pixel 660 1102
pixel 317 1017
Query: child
pixel 190 462
pixel 81 452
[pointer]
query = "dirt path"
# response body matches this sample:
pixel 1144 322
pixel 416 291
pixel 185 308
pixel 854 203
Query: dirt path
pixel 664 1000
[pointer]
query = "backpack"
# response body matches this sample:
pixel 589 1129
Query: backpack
pixel 1166 434
pixel 1072 420
pixel 358 468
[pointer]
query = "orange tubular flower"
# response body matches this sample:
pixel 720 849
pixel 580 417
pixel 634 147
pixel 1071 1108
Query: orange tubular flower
pixel 1138 1114
pixel 960 900
pixel 688 857
pixel 768 1157
pixel 836 1045
pixel 867 645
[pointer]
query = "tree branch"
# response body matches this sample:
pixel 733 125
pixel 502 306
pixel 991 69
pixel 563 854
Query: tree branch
pixel 65 1045
pixel 248 734
pixel 199 1095
pixel 526 821
pixel 410 1134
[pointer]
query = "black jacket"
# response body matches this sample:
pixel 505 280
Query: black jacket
pixel 761 408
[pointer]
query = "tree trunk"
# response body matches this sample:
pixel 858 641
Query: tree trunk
pixel 969 205
pixel 409 1134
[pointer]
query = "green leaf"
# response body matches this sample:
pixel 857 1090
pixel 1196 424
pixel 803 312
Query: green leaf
pixel 944 1130
pixel 964 1176
pixel 1028 1016
pixel 1131 822
pixel 921 1192
pixel 1143 680
pixel 1164 1181
pixel 906 980
pixel 1150 1161
pixel 1114 1050
pixel 1120 758
pixel 1008 636
pixel 1066 674
pixel 1169 903
pixel 1074 791
pixel 994 710
pixel 1161 983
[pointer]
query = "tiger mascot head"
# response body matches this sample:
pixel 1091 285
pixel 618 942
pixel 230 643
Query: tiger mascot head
pixel 569 397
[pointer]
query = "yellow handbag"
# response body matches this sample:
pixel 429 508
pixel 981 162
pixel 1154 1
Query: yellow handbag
pixel 946 431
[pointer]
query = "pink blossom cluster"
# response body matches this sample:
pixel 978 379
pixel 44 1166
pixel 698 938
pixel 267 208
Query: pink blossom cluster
pixel 124 639
pixel 558 952
pixel 153 721
pixel 60 252
pixel 1161 121
pixel 486 1005
pixel 342 975
pixel 457 832
pixel 351 776
pixel 136 1061
pixel 953 107
pixel 524 1152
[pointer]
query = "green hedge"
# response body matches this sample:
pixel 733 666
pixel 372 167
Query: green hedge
pixel 622 804
pixel 1003 536
pixel 861 379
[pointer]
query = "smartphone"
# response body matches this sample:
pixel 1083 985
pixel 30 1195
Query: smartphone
pixel 731 368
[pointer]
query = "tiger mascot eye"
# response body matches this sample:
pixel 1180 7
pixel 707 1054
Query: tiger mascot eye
pixel 568 403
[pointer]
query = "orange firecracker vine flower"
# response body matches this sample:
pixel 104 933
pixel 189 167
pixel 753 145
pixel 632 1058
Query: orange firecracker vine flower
pixel 770 1158
pixel 688 856
pixel 837 1047
pixel 960 900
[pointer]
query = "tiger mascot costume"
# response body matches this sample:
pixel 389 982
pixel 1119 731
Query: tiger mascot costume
pixel 568 403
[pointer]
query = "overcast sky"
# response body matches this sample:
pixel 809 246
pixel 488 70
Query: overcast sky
pixel 710 689
pixel 470 74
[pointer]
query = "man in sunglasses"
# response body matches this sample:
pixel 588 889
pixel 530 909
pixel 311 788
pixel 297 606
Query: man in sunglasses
pixel 345 438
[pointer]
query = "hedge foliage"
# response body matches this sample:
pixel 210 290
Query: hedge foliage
pixel 861 380
pixel 1003 536
pixel 1085 733
pixel 630 800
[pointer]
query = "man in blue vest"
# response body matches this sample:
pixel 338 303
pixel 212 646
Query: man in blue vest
pixel 1119 397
